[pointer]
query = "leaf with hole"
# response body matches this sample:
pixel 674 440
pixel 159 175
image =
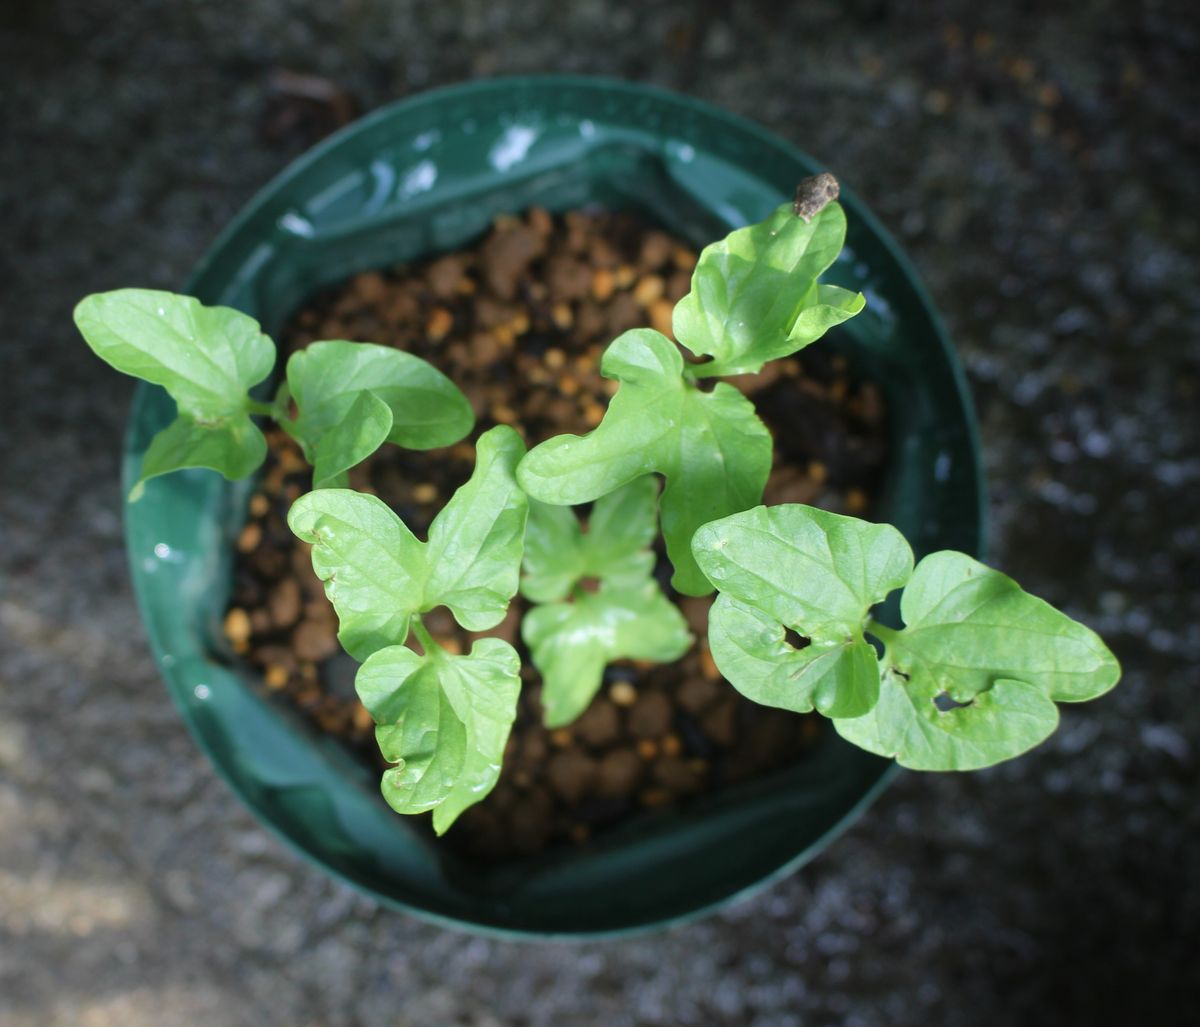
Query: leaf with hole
pixel 973 677
pixel 815 572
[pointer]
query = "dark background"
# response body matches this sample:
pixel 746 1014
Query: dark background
pixel 1039 163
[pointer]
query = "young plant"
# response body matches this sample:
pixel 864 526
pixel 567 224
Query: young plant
pixel 350 397
pixel 443 719
pixel 971 679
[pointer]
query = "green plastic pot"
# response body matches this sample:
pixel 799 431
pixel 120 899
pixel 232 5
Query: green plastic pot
pixel 428 175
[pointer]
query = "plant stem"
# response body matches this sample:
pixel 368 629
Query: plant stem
pixel 423 635
pixel 257 407
pixel 881 631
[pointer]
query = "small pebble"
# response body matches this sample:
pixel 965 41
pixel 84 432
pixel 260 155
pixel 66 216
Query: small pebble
pixel 650 716
pixel 237 626
pixel 619 773
pixel 250 537
pixel 623 693
pixel 439 323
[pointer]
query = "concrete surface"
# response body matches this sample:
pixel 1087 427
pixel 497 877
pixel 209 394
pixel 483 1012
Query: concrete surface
pixel 1040 168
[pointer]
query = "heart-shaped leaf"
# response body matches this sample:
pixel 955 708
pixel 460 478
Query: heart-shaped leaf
pixel 711 447
pixel 572 642
pixel 815 572
pixel 207 359
pixel 443 720
pixel 755 295
pixel 973 677
pixel 378 574
pixel 559 553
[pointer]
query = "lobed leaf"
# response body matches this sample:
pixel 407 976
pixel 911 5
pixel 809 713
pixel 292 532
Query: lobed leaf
pixel 206 358
pixel 713 450
pixel 328 379
pixel 444 721
pixel 378 574
pixel 572 642
pixel 755 296
pixel 559 553
pixel 476 541
pixel 373 567
pixel 973 677
pixel 815 572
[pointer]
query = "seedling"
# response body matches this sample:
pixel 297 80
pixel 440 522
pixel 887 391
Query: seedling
pixel 350 397
pixel 972 678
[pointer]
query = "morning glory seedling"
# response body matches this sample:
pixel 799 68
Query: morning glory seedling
pixel 351 397
pixel 972 678
pixel 443 719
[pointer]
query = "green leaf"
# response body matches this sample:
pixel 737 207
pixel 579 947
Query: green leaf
pixel 968 625
pixel 444 721
pixel 754 294
pixel 572 642
pixel 810 570
pixel 233 448
pixel 751 651
pixel 476 541
pixel 713 450
pixel 996 657
pixel 1008 719
pixel 814 571
pixel 327 379
pixel 349 442
pixel 373 567
pixel 207 359
pixel 378 574
pixel 559 553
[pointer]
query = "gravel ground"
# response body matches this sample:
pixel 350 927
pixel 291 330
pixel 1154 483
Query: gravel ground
pixel 1040 168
